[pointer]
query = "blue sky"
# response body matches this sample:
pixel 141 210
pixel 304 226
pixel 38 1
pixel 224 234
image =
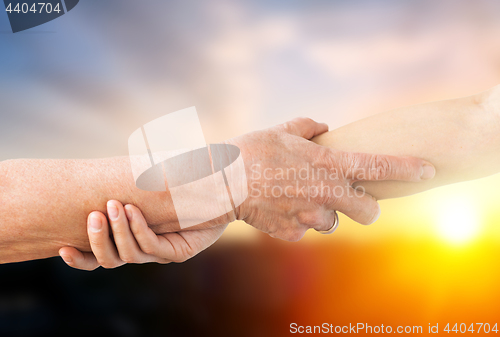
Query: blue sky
pixel 79 85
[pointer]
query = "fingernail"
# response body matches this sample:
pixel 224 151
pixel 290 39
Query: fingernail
pixel 112 211
pixel 428 172
pixel 128 212
pixel 377 216
pixel 67 258
pixel 95 223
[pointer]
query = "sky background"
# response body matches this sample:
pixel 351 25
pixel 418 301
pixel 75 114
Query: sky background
pixel 78 86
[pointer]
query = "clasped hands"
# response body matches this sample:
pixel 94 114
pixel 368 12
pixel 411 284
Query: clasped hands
pixel 293 184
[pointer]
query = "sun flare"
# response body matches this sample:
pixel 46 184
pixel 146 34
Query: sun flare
pixel 458 220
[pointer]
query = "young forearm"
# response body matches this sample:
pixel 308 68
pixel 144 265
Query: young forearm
pixel 461 137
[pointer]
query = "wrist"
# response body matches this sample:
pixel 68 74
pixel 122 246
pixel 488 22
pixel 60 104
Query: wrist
pixel 489 102
pixel 484 114
pixel 241 209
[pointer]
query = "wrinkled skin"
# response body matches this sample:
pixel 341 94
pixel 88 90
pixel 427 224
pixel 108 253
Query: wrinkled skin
pixel 295 184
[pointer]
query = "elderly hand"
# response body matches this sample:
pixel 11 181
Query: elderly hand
pixel 295 184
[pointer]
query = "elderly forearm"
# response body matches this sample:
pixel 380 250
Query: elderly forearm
pixel 461 137
pixel 45 203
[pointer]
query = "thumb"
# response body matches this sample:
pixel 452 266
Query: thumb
pixel 77 259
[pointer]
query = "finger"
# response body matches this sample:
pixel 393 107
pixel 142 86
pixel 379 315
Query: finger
pixel 364 166
pixel 304 127
pixel 146 239
pixel 327 221
pixel 77 259
pixel 358 205
pixel 181 246
pixel 169 247
pixel 100 242
pixel 204 238
pixel 292 232
pixel 126 244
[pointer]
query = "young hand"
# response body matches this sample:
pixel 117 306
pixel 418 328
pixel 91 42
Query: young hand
pixel 133 241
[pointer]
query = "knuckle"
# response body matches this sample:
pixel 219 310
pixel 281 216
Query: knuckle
pixel 184 259
pixel 127 258
pixel 96 242
pixel 291 126
pixel 309 219
pixel 302 120
pixel 135 230
pixel 147 249
pixel 410 168
pixel 332 201
pixel 295 236
pixel 327 196
pixel 381 167
pixel 118 229
pixel 184 254
pixel 298 120
pixel 291 234
pixel 273 235
pixel 323 156
pixel 188 253
pixel 346 163
pixel 180 259
pixel 326 224
pixel 108 265
pixel 88 268
pixel 295 124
